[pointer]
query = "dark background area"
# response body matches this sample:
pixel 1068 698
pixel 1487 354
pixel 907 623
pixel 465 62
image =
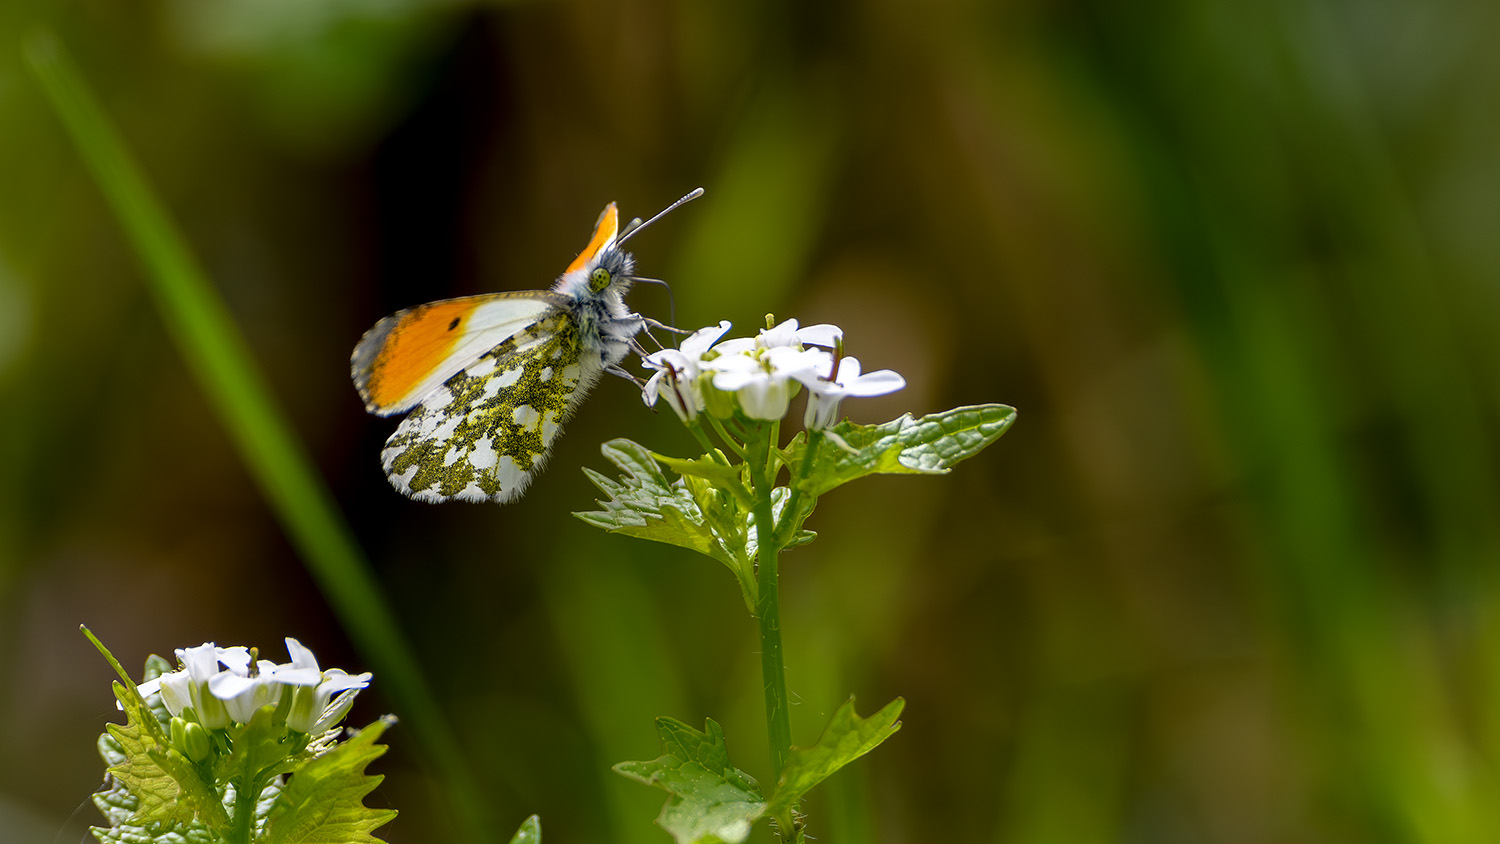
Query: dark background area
pixel 1230 579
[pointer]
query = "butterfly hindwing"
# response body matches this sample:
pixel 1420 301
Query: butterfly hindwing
pixel 486 432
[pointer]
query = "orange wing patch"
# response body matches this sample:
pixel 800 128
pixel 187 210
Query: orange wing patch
pixel 416 345
pixel 604 232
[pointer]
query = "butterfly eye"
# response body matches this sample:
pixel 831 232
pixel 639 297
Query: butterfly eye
pixel 599 279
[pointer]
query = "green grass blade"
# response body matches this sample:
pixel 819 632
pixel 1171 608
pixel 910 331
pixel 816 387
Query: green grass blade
pixel 213 348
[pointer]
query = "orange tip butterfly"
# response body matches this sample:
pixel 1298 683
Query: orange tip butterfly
pixel 490 379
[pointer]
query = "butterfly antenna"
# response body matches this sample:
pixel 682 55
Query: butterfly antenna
pixel 671 300
pixel 633 227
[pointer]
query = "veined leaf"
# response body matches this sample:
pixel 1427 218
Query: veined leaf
pixel 118 805
pixel 927 446
pixel 846 738
pixel 323 802
pixel 166 785
pixel 644 505
pixel 712 802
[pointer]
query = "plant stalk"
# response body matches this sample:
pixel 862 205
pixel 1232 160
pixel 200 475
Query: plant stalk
pixel 243 824
pixel 768 608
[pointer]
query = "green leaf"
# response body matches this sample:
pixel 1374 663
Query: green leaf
pixel 930 445
pixel 322 803
pixel 712 801
pixel 846 738
pixel 644 505
pixel 118 806
pixel 167 787
pixel 704 467
pixel 261 749
pixel 529 833
pixel 126 833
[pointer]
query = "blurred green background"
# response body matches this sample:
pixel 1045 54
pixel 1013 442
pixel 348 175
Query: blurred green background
pixel 1230 579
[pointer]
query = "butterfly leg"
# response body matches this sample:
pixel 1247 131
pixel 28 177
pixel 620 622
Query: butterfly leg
pixel 615 369
pixel 652 323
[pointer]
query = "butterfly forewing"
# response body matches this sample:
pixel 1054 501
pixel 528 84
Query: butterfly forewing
pixel 409 354
pixel 486 432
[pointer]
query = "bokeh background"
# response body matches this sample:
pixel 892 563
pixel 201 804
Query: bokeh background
pixel 1230 579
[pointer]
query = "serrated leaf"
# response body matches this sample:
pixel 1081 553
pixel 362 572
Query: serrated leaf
pixel 197 799
pixel 930 445
pixel 529 833
pixel 644 505
pixel 323 802
pixel 167 787
pixel 846 738
pixel 712 802
pixel 117 805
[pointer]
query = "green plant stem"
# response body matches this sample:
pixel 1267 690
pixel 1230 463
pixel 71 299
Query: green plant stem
pixel 696 428
pixel 729 441
pixel 768 607
pixel 245 798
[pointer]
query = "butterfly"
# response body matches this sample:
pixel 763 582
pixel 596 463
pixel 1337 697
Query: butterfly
pixel 489 380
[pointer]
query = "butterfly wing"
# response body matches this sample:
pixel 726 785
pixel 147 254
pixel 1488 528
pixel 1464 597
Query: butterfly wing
pixel 411 353
pixel 487 430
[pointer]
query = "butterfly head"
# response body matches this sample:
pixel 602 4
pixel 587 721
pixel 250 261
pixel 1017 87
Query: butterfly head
pixel 602 265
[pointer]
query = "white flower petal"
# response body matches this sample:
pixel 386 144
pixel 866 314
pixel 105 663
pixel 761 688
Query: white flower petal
pixel 201 662
pixel 302 656
pixel 735 380
pixel 876 383
pixel 236 659
pixel 176 691
pixel 822 334
pixel 737 346
pixel 226 685
pixel 703 339
pixel 784 334
pixel 296 676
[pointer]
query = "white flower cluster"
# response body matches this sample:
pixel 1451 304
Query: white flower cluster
pixel 222 686
pixel 762 373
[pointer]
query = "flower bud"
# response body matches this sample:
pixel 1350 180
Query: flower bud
pixel 191 740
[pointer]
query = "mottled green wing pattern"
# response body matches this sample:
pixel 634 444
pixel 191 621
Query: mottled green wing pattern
pixel 487 431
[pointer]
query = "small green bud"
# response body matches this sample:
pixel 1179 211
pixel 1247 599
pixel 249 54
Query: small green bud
pixel 720 404
pixel 191 740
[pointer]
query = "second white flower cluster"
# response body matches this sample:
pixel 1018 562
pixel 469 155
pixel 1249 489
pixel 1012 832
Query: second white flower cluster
pixel 227 685
pixel 759 375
